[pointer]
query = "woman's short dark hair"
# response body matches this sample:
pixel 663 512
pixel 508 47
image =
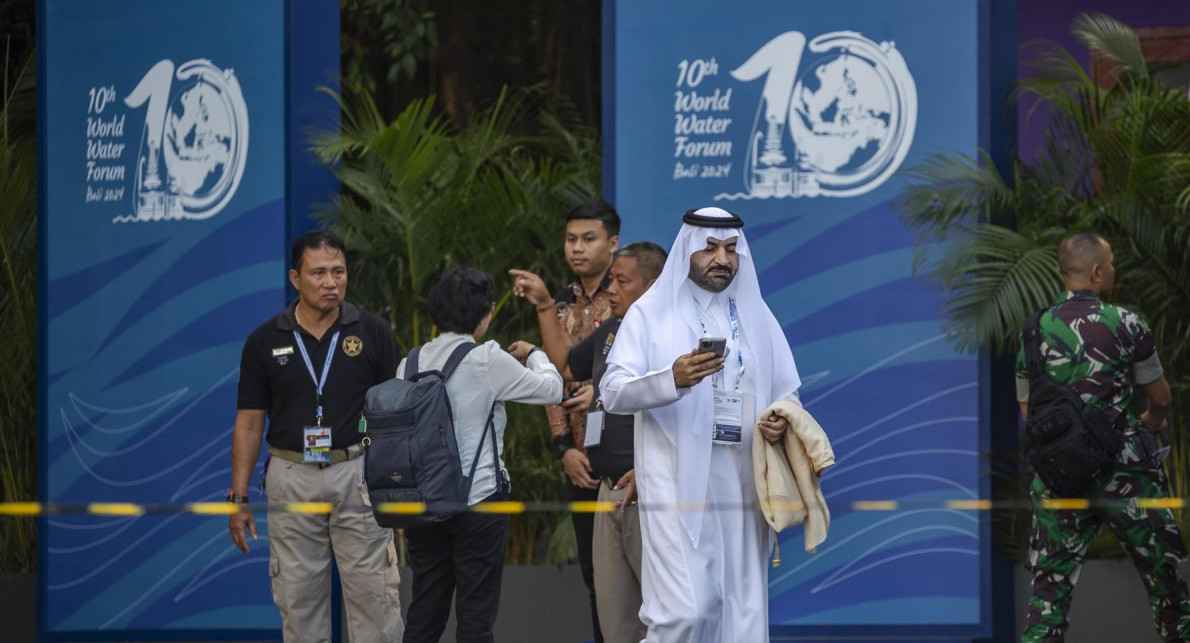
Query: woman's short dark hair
pixel 460 299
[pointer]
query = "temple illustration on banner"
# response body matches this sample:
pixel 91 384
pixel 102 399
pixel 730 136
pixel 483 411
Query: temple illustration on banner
pixel 850 116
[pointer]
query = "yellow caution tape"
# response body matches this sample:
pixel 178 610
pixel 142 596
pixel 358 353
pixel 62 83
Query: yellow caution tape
pixel 404 508
pixel 309 507
pixel 115 509
pixel 1161 503
pixel 31 509
pixel 214 508
pixel 1066 503
pixel 506 507
pixel 782 506
pixel 874 505
pixel 592 507
pixel 969 505
pixel 20 508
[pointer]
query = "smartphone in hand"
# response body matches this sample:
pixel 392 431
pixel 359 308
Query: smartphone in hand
pixel 716 345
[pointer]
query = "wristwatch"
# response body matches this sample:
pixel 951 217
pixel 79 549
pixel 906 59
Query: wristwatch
pixel 238 500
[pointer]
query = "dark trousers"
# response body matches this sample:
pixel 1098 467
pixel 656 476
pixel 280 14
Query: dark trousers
pixel 463 557
pixel 584 535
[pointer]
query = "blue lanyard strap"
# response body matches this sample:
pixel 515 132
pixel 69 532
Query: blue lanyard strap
pixel 319 382
pixel 735 334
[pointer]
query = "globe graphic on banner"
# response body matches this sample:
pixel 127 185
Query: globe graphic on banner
pixel 840 113
pixel 198 140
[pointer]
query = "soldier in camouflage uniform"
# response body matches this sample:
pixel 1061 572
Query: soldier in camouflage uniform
pixel 1100 350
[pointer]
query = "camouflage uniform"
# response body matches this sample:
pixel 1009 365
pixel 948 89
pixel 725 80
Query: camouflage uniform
pixel 1099 350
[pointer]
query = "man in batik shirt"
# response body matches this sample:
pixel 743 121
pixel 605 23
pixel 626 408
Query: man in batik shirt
pixel 592 238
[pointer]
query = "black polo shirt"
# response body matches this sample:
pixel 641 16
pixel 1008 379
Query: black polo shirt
pixel 274 377
pixel 588 361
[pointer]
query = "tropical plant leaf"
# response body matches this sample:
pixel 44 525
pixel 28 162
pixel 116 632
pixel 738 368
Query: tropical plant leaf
pixel 420 194
pixel 1116 161
pixel 945 190
pixel 998 278
pixel 1111 38
pixel 18 311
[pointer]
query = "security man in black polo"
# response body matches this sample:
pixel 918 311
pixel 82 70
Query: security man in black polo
pixel 616 547
pixel 307 370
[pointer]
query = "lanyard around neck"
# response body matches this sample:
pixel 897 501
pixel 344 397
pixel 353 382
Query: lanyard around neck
pixel 319 381
pixel 735 333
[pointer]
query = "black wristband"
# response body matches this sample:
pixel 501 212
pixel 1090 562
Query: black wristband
pixel 238 500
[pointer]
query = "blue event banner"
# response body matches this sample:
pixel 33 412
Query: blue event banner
pixel 802 118
pixel 163 144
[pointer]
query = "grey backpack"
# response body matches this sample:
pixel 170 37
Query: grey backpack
pixel 412 455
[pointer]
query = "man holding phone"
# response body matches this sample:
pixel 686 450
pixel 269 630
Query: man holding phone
pixel 704 571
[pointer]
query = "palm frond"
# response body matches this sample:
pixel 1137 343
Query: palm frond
pixel 1111 38
pixel 359 123
pixel 18 310
pixel 944 190
pixel 997 278
pixel 1116 161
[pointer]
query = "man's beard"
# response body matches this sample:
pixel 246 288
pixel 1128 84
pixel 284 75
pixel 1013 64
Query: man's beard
pixel 706 282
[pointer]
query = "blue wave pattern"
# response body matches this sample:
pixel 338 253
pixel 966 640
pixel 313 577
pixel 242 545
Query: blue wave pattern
pixel 901 407
pixel 141 411
pixel 144 321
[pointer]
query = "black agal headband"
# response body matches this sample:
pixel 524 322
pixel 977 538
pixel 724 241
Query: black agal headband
pixel 702 221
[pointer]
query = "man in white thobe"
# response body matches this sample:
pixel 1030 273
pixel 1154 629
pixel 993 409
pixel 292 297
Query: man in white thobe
pixel 704 575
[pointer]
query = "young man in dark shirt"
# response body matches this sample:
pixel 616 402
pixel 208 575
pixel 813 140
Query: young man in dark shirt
pixel 608 441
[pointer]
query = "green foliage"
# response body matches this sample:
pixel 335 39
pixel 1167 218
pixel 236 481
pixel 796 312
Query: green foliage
pixel 1115 160
pixel 385 39
pixel 420 194
pixel 18 311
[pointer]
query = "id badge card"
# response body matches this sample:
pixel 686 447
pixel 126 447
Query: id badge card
pixel 729 413
pixel 594 429
pixel 316 443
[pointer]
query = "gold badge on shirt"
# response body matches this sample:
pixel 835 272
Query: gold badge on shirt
pixel 353 345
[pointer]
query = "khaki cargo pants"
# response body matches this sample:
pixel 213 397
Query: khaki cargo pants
pixel 301 547
pixel 617 552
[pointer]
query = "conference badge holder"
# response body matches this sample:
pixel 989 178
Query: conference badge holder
pixel 316 444
pixel 729 413
pixel 594 432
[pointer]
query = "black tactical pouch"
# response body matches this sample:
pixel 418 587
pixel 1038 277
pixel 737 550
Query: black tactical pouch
pixel 1069 443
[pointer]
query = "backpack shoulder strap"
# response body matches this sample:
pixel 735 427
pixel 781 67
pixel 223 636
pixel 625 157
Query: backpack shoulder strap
pixel 1031 337
pixel 490 429
pixel 411 363
pixel 456 358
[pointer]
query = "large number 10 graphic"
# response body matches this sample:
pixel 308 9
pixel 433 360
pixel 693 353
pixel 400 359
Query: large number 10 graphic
pixel 779 60
pixel 875 82
pixel 188 194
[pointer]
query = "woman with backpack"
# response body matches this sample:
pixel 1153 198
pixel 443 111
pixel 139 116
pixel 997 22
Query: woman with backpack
pixel 464 555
